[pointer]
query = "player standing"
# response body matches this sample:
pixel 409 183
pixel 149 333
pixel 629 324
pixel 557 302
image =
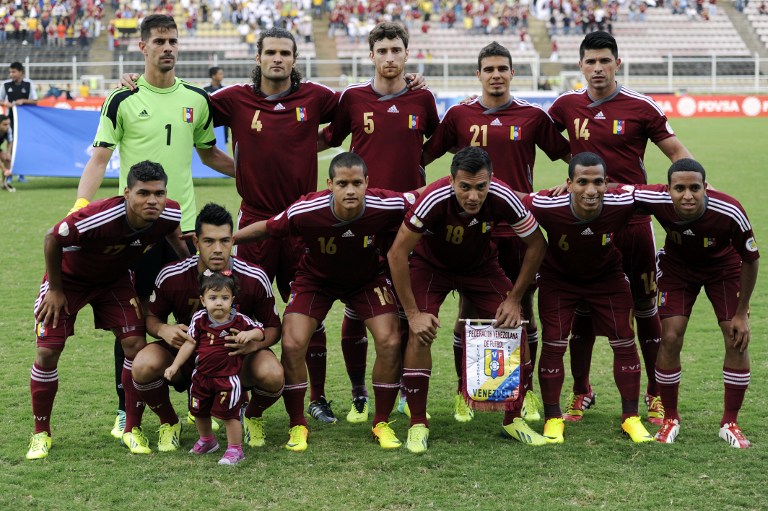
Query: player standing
pixel 340 228
pixel 177 292
pixel 582 266
pixel 510 129
pixel 616 123
pixel 87 260
pixel 14 92
pixel 709 244
pixel 381 114
pixel 449 232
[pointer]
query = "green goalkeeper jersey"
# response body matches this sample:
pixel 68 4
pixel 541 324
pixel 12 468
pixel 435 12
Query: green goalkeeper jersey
pixel 160 125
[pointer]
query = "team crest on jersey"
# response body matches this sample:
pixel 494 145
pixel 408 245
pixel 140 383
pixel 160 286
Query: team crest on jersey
pixel 416 222
pixel 189 114
pixel 618 127
pixel 494 363
pixel 195 403
pixel 486 227
pixel 291 298
pixel 662 299
pixel 710 242
pixel 301 114
pixel 64 229
pixel 40 330
pixel 413 122
pixel 607 238
pixel 515 132
pixel 368 241
pixel 751 245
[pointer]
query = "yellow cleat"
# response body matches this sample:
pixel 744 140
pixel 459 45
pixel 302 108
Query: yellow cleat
pixel 634 428
pixel 214 422
pixel 417 438
pixel 253 431
pixel 519 430
pixel 297 439
pixel 117 429
pixel 359 411
pixel 531 407
pixel 461 410
pixel 402 407
pixel 39 446
pixel 553 430
pixel 383 433
pixel 169 438
pixel 136 442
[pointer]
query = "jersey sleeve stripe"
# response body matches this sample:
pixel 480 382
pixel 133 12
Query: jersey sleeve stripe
pixel 642 97
pixel 100 218
pixel 306 206
pixel 256 273
pixel 114 105
pixel 731 211
pixel 526 226
pixel 541 201
pixel 175 269
pixel 431 200
pixel 509 197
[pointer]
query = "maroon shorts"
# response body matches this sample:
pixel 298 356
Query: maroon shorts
pixel 278 257
pixel 115 307
pixel 217 396
pixel 638 255
pixel 486 289
pixel 609 300
pixel 314 298
pixel 678 292
pixel 511 255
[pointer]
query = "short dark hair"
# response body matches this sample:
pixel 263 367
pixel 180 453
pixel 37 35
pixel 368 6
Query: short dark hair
pixel 686 165
pixel 217 280
pixel 585 159
pixel 213 214
pixel 161 21
pixel 18 66
pixel 387 30
pixel 597 41
pixel 146 171
pixel 493 50
pixel 213 70
pixel 279 33
pixel 471 159
pixel 346 159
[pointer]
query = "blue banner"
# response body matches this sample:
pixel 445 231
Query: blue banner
pixel 56 142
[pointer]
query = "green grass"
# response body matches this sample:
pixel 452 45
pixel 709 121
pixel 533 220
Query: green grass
pixel 468 466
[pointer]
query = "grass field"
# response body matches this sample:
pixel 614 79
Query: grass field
pixel 468 466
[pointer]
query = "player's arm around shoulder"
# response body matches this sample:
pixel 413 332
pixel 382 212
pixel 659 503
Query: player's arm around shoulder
pixel 255 232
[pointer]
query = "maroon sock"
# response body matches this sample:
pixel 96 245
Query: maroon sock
pixel 552 374
pixel 626 369
pixel 316 359
pixel 293 397
pixel 526 376
pixel 155 396
pixel 385 395
pixel 261 400
pixel 533 348
pixel 43 384
pixel 354 346
pixel 668 383
pixel 416 386
pixel 736 382
pixel 649 337
pixel 581 344
pixel 458 356
pixel 134 406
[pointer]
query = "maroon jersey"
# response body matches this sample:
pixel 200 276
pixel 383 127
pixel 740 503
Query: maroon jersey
pixel 510 135
pixel 100 246
pixel 455 241
pixel 274 141
pixel 177 291
pixel 715 243
pixel 213 358
pixel 382 126
pixel 342 254
pixel 581 251
pixel 617 128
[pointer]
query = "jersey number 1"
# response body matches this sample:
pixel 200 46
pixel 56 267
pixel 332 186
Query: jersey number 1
pixel 168 134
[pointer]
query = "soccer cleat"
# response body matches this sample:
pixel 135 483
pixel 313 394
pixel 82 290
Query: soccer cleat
pixel 136 441
pixel 531 406
pixel 418 435
pixel 383 433
pixel 117 429
pixel 577 403
pixel 232 456
pixel 169 438
pixel 402 407
pixel 297 438
pixel 39 446
pixel 359 411
pixel 203 447
pixel 519 430
pixel 731 433
pixel 461 410
pixel 214 422
pixel 634 429
pixel 668 431
pixel 253 431
pixel 655 409
pixel 320 410
pixel 553 430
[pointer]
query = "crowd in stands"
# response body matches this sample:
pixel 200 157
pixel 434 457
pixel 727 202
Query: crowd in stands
pixel 51 22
